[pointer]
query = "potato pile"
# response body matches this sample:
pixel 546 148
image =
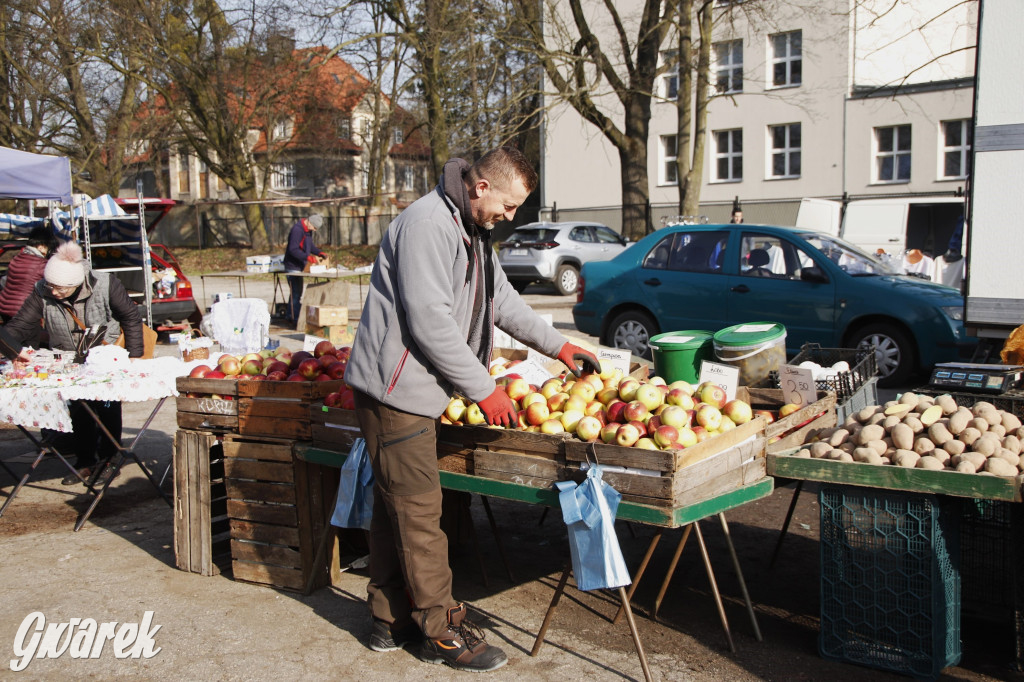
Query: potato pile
pixel 919 431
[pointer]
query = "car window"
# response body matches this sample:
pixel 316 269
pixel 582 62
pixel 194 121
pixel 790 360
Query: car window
pixel 534 235
pixel 607 235
pixel 764 255
pixel 689 252
pixel 847 256
pixel 581 234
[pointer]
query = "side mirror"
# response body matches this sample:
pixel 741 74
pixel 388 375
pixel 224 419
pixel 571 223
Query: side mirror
pixel 814 275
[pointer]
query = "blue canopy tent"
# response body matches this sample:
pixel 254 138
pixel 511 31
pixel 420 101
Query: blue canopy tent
pixel 24 175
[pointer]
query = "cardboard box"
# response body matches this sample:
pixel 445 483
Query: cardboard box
pixel 321 265
pixel 326 315
pixel 257 264
pixel 339 335
pixel 277 263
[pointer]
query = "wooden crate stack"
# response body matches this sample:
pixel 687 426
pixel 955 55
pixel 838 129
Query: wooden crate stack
pixel 280 409
pixel 209 405
pixel 329 322
pixel 792 430
pixel 501 454
pixel 201 533
pixel 277 506
pixel 332 428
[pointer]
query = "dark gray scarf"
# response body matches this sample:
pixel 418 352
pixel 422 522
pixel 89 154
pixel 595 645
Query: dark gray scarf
pixel 481 323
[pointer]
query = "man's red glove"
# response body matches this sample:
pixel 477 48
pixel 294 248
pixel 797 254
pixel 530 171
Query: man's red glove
pixel 576 358
pixel 498 408
pixel 312 259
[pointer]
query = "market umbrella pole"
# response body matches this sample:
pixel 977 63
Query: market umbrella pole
pixel 557 596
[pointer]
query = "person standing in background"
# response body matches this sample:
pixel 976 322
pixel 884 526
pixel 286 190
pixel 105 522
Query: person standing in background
pixel 301 250
pixel 25 269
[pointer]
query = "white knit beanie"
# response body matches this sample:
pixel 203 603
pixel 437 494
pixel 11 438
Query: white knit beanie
pixel 65 268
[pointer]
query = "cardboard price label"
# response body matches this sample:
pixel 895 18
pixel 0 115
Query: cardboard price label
pixel 726 376
pixel 797 385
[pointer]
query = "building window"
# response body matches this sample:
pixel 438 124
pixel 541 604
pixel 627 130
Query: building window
pixel 367 129
pixel 787 62
pixel 669 174
pixel 408 179
pixel 397 136
pixel 956 148
pixel 345 128
pixel 184 187
pixel 892 154
pixel 728 155
pixel 729 67
pixel 281 130
pixel 785 150
pixel 670 79
pixel 203 190
pixel 282 175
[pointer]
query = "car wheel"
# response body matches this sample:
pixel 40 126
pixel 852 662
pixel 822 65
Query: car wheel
pixel 567 279
pixel 894 352
pixel 632 330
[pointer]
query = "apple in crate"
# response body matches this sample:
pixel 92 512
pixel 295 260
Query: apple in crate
pixel 627 435
pixel 309 369
pixel 277 376
pixel 215 374
pixel 200 371
pixel 570 419
pixel 665 434
pixel 767 414
pixel 788 409
pixel 709 416
pixel 230 365
pixel 712 394
pixel 456 409
pixel 517 389
pixel 588 428
pixel 298 357
pixel 332 399
pixel 474 415
pixel 687 437
pixel 674 415
pixel 322 348
pixel 650 395
pixel 537 413
pixel 608 432
pixel 646 443
pixel 295 376
pixel 336 370
pixel 252 368
pixel 552 426
pixel 635 411
pixel 738 411
pixel 628 388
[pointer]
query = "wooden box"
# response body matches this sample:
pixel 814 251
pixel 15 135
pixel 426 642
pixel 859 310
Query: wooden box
pixel 332 428
pixel 791 430
pixel 201 536
pixel 326 315
pixel 280 409
pixel 207 404
pixel 674 478
pixel 277 506
pixel 459 447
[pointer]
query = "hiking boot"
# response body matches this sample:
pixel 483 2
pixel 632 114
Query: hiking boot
pixel 71 479
pixel 463 646
pixel 106 473
pixel 384 638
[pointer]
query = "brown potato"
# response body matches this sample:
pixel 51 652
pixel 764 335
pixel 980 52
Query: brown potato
pixel 1012 443
pixel 928 462
pixel 909 398
pixel 902 436
pixel 969 435
pixel 879 446
pixel 906 458
pixel 975 458
pixel 966 468
pixel 838 437
pixel 869 433
pixel 866 413
pixel 891 421
pixel 1010 421
pixel 819 449
pixel 923 445
pixel 914 423
pixel 802 452
pixel 959 420
pixel 947 404
pixel 1004 454
pixel 954 446
pixel 1000 467
pixel 997 429
pixel 939 434
pixel 980 423
pixel 986 446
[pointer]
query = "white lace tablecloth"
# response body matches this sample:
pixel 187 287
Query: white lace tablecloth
pixel 43 403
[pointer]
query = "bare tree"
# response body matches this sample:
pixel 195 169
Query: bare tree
pixel 597 66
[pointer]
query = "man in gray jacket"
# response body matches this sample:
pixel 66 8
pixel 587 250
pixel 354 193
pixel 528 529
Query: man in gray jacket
pixel 426 331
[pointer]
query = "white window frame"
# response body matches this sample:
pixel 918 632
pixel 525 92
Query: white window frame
pixel 282 175
pixel 408 179
pixel 281 130
pixel 896 154
pixel 788 58
pixel 728 66
pixel 668 150
pixel 788 150
pixel 729 154
pixel 669 81
pixel 397 136
pixel 963 149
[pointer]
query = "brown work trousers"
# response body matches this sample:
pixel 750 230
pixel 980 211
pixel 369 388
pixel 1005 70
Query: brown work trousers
pixel 409 573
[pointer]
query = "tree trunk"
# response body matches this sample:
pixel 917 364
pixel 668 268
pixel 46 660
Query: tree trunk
pixel 253 218
pixel 633 167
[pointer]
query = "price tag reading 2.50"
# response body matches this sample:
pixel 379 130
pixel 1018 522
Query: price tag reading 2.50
pixel 797 385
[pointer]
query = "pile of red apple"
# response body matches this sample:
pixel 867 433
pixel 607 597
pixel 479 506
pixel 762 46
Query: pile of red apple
pixel 325 363
pixel 617 409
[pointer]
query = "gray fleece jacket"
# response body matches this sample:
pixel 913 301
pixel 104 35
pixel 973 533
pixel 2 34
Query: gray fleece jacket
pixel 411 349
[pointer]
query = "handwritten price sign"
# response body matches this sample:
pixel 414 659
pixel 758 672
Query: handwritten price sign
pixel 726 376
pixel 797 385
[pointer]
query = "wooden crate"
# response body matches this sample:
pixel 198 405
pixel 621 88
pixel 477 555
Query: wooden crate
pixel 332 428
pixel 790 431
pixel 674 478
pixel 326 315
pixel 457 447
pixel 277 506
pixel 198 410
pixel 280 409
pixel 201 534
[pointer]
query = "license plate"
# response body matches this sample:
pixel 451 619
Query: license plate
pixel 517 252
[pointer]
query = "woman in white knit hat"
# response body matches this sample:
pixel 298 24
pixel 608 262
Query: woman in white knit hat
pixel 70 298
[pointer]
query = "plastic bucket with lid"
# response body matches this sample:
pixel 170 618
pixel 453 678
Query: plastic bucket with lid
pixel 677 355
pixel 756 348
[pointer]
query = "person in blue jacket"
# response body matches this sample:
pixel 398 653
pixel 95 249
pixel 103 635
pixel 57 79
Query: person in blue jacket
pixel 301 250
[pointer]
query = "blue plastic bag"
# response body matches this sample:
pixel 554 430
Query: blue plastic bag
pixel 354 505
pixel 588 510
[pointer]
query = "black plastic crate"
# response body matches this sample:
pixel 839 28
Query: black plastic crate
pixel 1011 401
pixel 845 384
pixel 890 580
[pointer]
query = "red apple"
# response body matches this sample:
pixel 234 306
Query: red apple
pixel 277 376
pixel 308 368
pixel 215 374
pixel 277 366
pixel 283 354
pixel 295 376
pixel 348 399
pixel 336 370
pixel 322 377
pixel 635 410
pixel 627 435
pixel 230 365
pixel 256 377
pixel 639 426
pixel 251 368
pixel 326 360
pixel 537 413
pixel 332 399
pixel 738 411
pixel 666 434
pixel 200 371
pixel 517 389
pixel 712 394
pixel 588 428
pixel 297 358
pixel 323 347
pixel 769 417
pixel 614 411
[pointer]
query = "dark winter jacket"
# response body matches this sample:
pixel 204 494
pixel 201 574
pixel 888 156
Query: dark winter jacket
pixel 25 270
pixel 100 300
pixel 300 248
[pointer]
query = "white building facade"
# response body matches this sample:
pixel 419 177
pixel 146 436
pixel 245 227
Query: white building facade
pixel 811 99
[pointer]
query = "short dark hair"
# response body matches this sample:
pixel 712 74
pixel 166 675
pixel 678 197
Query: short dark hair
pixel 42 236
pixel 502 166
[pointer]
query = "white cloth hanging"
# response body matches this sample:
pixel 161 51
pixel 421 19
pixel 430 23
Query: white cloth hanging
pixel 949 273
pixel 239 325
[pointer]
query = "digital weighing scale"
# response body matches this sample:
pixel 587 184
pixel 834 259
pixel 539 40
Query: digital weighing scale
pixel 976 377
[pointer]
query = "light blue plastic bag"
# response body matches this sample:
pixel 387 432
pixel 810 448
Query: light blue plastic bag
pixel 354 505
pixel 588 510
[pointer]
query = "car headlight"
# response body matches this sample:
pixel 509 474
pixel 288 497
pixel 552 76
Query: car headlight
pixel 955 312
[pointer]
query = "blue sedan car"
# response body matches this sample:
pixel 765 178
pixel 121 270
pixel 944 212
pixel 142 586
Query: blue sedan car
pixel 821 288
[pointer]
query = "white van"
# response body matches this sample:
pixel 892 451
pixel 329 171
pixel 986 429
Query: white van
pixel 892 224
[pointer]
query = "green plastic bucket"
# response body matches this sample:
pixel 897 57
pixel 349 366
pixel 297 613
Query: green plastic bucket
pixel 677 355
pixel 757 348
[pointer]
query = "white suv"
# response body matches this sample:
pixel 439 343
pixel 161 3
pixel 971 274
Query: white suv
pixel 554 252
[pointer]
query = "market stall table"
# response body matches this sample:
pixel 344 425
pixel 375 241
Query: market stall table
pixel 685 516
pixel 241 275
pixel 43 404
